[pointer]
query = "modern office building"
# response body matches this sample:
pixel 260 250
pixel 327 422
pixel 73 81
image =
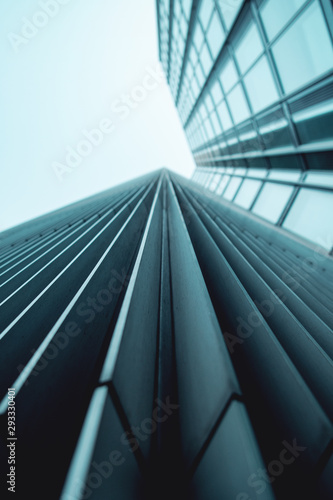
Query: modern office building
pixel 253 84
pixel 173 338
pixel 158 343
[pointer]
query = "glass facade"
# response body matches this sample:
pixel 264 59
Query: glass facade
pixel 253 84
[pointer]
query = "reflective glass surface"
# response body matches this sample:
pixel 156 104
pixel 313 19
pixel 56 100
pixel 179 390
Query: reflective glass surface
pixel 232 188
pixel 310 217
pixel 247 193
pixel 238 105
pixel 305 51
pixel 276 13
pixel 260 86
pixel 272 201
pixel 248 48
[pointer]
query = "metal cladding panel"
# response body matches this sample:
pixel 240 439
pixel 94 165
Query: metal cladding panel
pixel 120 334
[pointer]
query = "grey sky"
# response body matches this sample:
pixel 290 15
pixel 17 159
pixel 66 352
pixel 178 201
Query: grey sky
pixel 89 63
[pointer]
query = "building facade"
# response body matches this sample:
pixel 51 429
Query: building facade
pixel 155 342
pixel 253 84
pixel 164 340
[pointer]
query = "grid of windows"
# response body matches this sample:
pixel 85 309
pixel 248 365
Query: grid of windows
pixel 253 83
pixel 164 21
pixel 269 57
pixel 298 201
pixel 212 25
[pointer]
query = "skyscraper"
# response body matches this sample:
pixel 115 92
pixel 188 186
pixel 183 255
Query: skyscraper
pixel 154 339
pixel 163 340
pixel 252 81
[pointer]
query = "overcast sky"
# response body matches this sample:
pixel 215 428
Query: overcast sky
pixel 83 103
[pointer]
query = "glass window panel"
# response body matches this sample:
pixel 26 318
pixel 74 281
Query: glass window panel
pixel 209 103
pixel 187 4
pixel 260 86
pixel 193 56
pixel 181 44
pixel 232 188
pixel 198 37
pixel 216 92
pixel 215 182
pixel 209 178
pixel 189 71
pixel 276 13
pixel 195 87
pixel 309 217
pixel 203 111
pixel 240 171
pixel 309 49
pixel 177 12
pixel 223 184
pixel 183 27
pixel 284 175
pixel 206 60
pixel 249 48
pixel 320 179
pixel 247 193
pixel 209 129
pixel 272 201
pixel 224 115
pixel 228 75
pixel 216 123
pixel 206 10
pixel 238 105
pixel 257 172
pixel 215 35
pixel 229 10
pixel 200 75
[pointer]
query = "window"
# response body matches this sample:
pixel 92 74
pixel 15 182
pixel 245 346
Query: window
pixel 193 56
pixel 216 123
pixel 224 115
pixel 223 184
pixel 215 35
pixel 238 104
pixel 229 10
pixel 248 48
pixel 209 103
pixel 214 183
pixel 305 51
pixel 206 60
pixel 228 76
pixel 206 10
pixel 257 172
pixel 232 188
pixel 320 178
pixel 276 13
pixel 309 217
pixel 216 92
pixel 272 201
pixel 260 86
pixel 200 75
pixel 187 5
pixel 247 193
pixel 285 175
pixel 198 37
pixel 209 129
